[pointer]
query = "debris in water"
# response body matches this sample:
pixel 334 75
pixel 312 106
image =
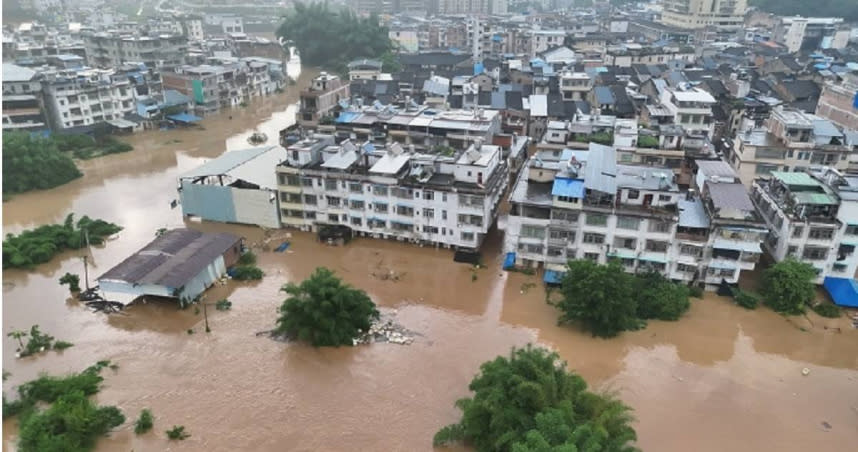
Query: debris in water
pixel 826 425
pixel 805 371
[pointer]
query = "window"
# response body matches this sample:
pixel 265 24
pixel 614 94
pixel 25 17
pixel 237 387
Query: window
pixel 559 234
pixel 443 214
pixel 333 201
pixel 689 250
pixel 590 237
pixel 564 215
pixel 533 232
pixel 634 194
pixel 555 251
pixel 530 248
pixel 821 233
pixel 333 218
pixel 659 226
pixel 405 211
pixel 625 242
pixel 429 213
pixel 764 169
pixel 355 187
pixel 798 231
pixel 310 199
pixel 591 256
pixel 839 268
pixel 379 190
pixel 357 221
pixel 429 195
pixel 814 253
pixel 401 193
pixel 330 184
pixel 380 207
pixel 664 198
pixel 357 204
pixel 851 230
pixel 376 223
pixel 594 219
pixel 468 236
pixel 792 250
pixel 657 246
pixel 685 268
pixel 310 215
pixel 307 181
pixel 430 229
pixel 628 223
pixel 443 197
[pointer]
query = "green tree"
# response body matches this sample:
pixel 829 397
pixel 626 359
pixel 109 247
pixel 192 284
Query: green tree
pixel 659 298
pixel 788 286
pixel 33 163
pixel 324 311
pixel 72 423
pixel 144 422
pixel 37 246
pixel 599 297
pixel 331 38
pixel 18 335
pixel 529 402
pixel 72 280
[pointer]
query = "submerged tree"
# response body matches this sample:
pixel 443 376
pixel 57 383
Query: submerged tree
pixel 34 163
pixel 72 280
pixel 324 311
pixel 599 297
pixel 530 402
pixel 788 286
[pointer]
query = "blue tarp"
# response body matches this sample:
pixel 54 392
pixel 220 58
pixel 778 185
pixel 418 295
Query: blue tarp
pixel 552 277
pixel 184 117
pixel 509 261
pixel 478 68
pixel 844 291
pixel 573 188
pixel 347 117
pixel 283 247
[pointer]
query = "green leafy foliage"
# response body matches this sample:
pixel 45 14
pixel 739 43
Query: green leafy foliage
pixel 72 280
pixel 248 258
pixel 828 310
pixel 324 311
pixel 847 9
pixel 33 163
pixel 603 138
pixel 71 423
pixel 599 297
pixel 530 402
pixel 745 299
pixel 86 147
pixel 36 343
pixel 144 423
pixel 647 141
pixel 659 298
pixel 62 345
pixel 331 38
pixel 247 273
pixel 695 291
pixel 788 286
pixel 178 432
pixel 40 245
pixel 223 305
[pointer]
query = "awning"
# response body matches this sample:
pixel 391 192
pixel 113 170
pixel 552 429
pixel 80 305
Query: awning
pixel 552 277
pixel 122 123
pixel 650 258
pixel 509 261
pixel 751 247
pixel 722 265
pixel 623 254
pixel 844 291
pixel 185 118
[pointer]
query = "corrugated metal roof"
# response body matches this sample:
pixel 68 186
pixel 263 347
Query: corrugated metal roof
pixel 600 172
pixel 796 179
pixel 724 244
pixel 692 214
pixel 255 165
pixel 15 73
pixel 803 197
pixel 604 96
pixel 573 188
pixel 731 196
pixel 718 168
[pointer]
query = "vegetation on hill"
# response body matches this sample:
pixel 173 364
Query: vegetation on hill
pixel 530 402
pixel 40 245
pixel 323 311
pixel 332 38
pixel 847 9
pixel 606 300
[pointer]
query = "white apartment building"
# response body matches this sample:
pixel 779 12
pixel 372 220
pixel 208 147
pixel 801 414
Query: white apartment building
pixel 575 85
pixel 809 220
pixel 84 97
pixel 542 40
pixel 584 205
pixel 691 108
pixel 808 33
pixel 22 103
pixel 691 14
pixel 388 192
pixel 790 141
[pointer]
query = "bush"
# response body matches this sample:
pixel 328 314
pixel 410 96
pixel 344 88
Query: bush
pixel 71 423
pixel 248 258
pixel 178 432
pixel 788 286
pixel 40 245
pixel 33 163
pixel 62 345
pixel 659 298
pixel 325 312
pixel 647 141
pixel 72 280
pixel 746 300
pixel 144 422
pixel 223 305
pixel 529 402
pixel 86 147
pixel 695 291
pixel 247 273
pixel 828 310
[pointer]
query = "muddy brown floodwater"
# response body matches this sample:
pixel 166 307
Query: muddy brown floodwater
pixel 722 378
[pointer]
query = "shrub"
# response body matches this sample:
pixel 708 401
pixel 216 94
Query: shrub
pixel 72 280
pixel 828 310
pixel 788 286
pixel 248 258
pixel 324 311
pixel 695 291
pixel 178 433
pixel 647 141
pixel 247 273
pixel 746 300
pixel 223 305
pixel 40 245
pixel 62 345
pixel 659 298
pixel 144 422
pixel 71 423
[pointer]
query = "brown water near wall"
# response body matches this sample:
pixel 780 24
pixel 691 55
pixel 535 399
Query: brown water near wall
pixel 722 378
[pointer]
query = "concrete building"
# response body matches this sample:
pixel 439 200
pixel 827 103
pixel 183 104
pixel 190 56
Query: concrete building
pixel 575 85
pixel 809 221
pixel 105 49
pixel 470 7
pixel 692 14
pixel 628 55
pixel 364 69
pixel 22 99
pixel 438 198
pixel 237 187
pixel 790 141
pixel 839 102
pixel 85 97
pixel 807 33
pixel 319 100
pixel 180 264
pixel 690 107
pixel 227 83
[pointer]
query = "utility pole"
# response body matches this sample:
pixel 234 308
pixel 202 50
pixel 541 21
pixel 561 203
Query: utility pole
pixel 206 316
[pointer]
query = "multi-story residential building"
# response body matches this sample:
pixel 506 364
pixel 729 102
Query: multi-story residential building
pixel 541 40
pixel 216 86
pixel 575 85
pixel 442 199
pixel 839 102
pixel 809 221
pixel 470 7
pixel 364 69
pixel 112 49
pixel 22 99
pixel 320 98
pixel 690 107
pixel 627 55
pixel 806 33
pixel 85 97
pixel 722 14
pixel 790 141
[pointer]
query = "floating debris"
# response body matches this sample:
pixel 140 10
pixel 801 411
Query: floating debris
pixel 386 331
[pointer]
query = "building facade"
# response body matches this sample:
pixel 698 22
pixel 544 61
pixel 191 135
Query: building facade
pixel 85 97
pixel 690 14
pixel 319 100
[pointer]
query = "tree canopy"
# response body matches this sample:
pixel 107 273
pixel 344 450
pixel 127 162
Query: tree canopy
pixel 788 286
pixel 529 402
pixel 324 311
pixel 332 38
pixel 606 300
pixel 37 246
pixel 32 163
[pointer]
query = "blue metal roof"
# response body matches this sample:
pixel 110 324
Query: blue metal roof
pixel 844 291
pixel 347 117
pixel 552 277
pixel 573 188
pixel 184 117
pixel 604 96
pixel 509 261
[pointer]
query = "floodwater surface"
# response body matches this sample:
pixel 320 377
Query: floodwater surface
pixel 722 378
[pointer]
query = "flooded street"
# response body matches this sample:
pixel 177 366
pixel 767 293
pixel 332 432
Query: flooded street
pixel 722 378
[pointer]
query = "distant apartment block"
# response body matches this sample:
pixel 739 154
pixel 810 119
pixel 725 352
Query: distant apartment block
pixel 112 49
pixel 22 99
pixel 318 100
pixel 691 14
pixel 839 102
pixel 85 97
